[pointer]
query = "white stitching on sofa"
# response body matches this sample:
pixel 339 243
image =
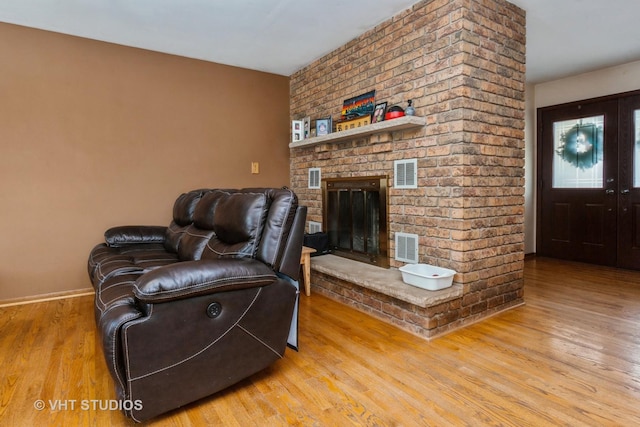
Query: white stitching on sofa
pixel 112 306
pixel 157 371
pixel 148 260
pixel 223 253
pixel 103 276
pixel 207 232
pixel 200 285
pixel 113 356
pixel 126 358
pixel 105 306
pixel 260 341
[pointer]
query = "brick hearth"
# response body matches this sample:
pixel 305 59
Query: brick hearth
pixel 382 293
pixel 462 62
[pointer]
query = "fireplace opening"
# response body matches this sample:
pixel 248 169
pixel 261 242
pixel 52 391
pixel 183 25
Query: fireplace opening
pixel 355 218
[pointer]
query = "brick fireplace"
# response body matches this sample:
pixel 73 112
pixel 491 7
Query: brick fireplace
pixel 462 63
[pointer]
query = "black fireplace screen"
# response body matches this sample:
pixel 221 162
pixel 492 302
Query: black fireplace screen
pixel 355 218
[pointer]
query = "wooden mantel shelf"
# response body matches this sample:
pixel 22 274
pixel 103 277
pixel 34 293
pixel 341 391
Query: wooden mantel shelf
pixel 401 123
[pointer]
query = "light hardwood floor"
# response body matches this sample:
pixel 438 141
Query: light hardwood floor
pixel 570 356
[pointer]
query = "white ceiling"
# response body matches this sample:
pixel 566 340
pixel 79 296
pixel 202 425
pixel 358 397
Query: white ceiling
pixel 568 37
pixel 564 37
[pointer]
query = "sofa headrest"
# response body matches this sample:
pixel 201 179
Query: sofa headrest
pixel 184 207
pixel 239 217
pixel 203 215
pixel 277 226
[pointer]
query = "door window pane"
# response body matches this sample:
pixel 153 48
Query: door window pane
pixel 636 149
pixel 578 146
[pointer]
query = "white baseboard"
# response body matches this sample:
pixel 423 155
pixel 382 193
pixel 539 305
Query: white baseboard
pixel 47 297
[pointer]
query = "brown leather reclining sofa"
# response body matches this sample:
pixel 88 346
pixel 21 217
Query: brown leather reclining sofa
pixel 187 310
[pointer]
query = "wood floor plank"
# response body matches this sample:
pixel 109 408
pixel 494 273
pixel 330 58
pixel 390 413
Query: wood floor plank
pixel 569 356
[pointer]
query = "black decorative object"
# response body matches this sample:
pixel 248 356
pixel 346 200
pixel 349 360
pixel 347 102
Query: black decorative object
pixel 318 241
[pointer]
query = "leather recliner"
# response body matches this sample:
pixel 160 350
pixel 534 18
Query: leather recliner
pixel 187 310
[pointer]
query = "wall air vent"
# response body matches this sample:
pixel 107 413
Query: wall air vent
pixel 407 247
pixel 314 178
pixel 405 173
pixel 315 227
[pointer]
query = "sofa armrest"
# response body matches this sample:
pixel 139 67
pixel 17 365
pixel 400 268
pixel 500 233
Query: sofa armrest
pixel 134 234
pixel 192 278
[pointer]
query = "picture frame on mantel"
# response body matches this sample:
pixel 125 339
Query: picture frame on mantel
pixel 323 126
pixel 297 130
pixel 358 106
pixel 378 112
pixel 307 127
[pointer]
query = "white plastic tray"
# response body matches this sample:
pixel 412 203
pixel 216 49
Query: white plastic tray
pixel 427 276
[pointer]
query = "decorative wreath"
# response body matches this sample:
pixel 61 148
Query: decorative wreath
pixel 582 145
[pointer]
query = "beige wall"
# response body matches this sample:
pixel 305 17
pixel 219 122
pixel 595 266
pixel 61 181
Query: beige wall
pixel 607 81
pixel 95 135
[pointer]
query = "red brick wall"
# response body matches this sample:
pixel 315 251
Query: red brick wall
pixel 462 62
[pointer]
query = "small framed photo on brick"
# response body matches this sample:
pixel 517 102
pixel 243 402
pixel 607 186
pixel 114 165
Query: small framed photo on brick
pixel 297 130
pixel 307 127
pixel 323 126
pixel 378 112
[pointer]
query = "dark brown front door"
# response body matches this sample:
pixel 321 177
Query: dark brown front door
pixel 628 192
pixel 588 202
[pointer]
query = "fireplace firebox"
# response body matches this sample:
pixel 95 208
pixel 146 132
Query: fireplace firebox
pixel 355 218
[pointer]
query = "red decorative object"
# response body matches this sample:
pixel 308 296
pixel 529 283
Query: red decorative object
pixel 393 115
pixel 394 112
